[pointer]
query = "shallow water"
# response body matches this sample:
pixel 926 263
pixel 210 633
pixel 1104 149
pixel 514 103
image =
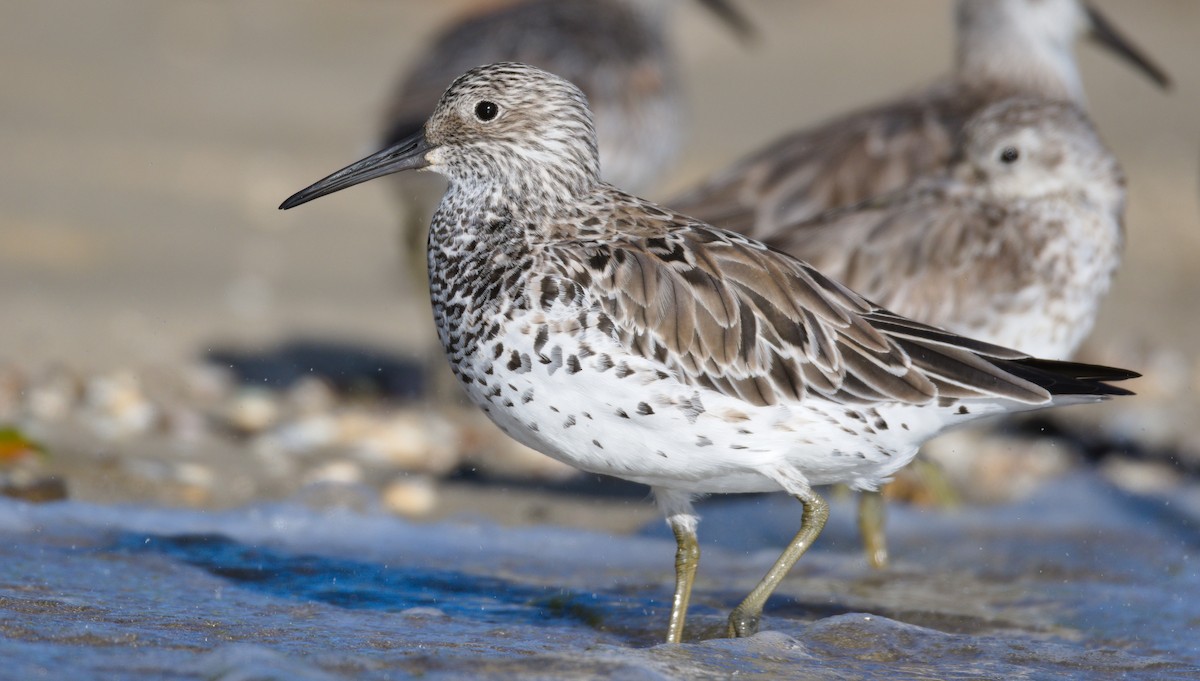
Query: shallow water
pixel 1080 582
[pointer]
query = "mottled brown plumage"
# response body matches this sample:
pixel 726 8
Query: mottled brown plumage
pixel 630 340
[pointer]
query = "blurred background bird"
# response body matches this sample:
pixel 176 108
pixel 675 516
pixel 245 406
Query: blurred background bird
pixel 1004 48
pixel 1017 242
pixel 990 263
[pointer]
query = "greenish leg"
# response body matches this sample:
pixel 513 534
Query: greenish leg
pixel 871 517
pixel 743 621
pixel 687 557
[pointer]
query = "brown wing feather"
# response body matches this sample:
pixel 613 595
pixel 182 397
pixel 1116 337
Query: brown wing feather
pixel 735 316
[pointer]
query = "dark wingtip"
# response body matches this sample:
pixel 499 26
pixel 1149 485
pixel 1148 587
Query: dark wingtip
pixel 1070 378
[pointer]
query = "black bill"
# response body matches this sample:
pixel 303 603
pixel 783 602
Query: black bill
pixel 1107 35
pixel 729 13
pixel 407 154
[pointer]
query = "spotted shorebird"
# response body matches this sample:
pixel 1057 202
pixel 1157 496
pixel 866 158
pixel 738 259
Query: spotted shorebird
pixel 629 340
pixel 1005 48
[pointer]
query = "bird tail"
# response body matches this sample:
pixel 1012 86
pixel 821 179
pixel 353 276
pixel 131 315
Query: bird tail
pixel 1088 382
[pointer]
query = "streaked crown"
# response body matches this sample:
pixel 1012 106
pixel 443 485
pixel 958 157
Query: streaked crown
pixel 513 122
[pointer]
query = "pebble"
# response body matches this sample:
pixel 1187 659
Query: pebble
pixel 117 407
pixel 339 472
pixel 410 441
pixel 411 497
pixel 53 395
pixel 252 411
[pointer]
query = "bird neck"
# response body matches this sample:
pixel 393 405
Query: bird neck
pixel 479 220
pixel 1017 61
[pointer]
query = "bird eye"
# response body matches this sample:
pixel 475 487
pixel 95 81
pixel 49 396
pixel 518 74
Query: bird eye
pixel 1009 155
pixel 486 111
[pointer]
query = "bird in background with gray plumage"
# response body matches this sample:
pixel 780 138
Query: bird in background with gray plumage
pixel 1004 48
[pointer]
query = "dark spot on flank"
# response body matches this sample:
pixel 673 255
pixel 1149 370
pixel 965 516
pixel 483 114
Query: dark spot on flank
pixel 904 426
pixel 597 443
pixel 514 361
pixel 604 362
pixel 703 441
pixel 554 409
pixel 644 409
pixel 587 416
pixel 549 293
pixel 539 341
pixel 623 370
pixel 881 424
pixel 622 414
pixel 737 446
pixel 569 422
pixel 497 350
pixel 532 425
pixel 527 396
pixel 605 325
pixel 661 453
pixel 573 366
pixel 660 353
pixel 962 410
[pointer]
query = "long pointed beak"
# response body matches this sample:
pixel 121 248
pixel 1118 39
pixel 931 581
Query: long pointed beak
pixel 1107 35
pixel 731 16
pixel 407 154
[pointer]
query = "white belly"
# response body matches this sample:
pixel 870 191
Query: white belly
pixel 622 416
